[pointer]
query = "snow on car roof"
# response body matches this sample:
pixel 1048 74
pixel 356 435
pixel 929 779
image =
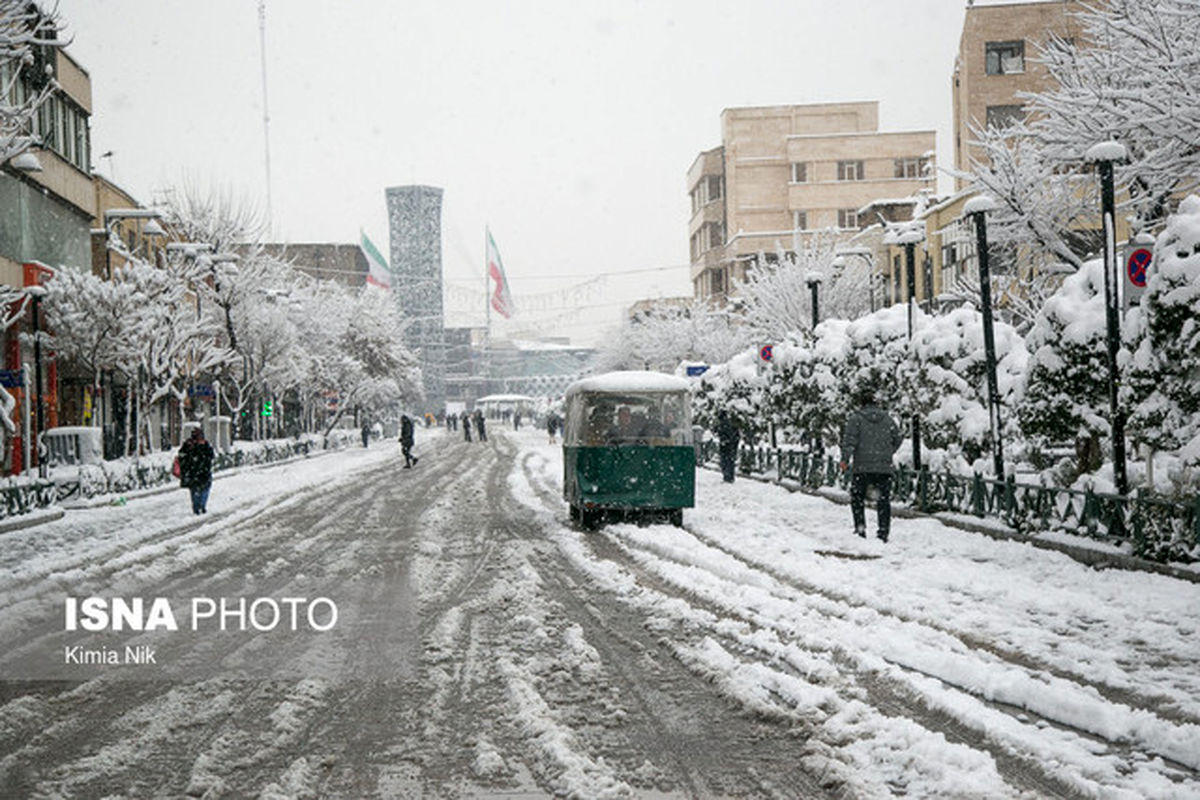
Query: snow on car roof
pixel 629 381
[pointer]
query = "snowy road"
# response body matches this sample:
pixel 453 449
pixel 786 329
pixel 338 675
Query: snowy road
pixel 486 648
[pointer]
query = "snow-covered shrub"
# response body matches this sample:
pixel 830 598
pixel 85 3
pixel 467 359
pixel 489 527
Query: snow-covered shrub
pixel 945 380
pixel 1066 385
pixel 737 388
pixel 1164 372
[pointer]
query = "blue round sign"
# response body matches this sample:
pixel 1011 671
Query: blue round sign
pixel 765 352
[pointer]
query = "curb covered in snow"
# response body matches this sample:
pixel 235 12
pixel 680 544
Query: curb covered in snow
pixel 1091 556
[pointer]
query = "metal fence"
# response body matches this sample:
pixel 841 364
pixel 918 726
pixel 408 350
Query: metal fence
pixel 1154 527
pixel 119 478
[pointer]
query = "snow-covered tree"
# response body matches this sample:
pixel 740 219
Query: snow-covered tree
pixel 1042 209
pixel 357 351
pixel 1164 374
pixel 1133 77
pixel 28 36
pixel 662 337
pixel 776 298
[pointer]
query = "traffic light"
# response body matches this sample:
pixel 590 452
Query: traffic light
pixel 267 408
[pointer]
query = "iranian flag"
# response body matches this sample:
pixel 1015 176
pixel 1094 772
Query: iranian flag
pixel 378 273
pixel 501 299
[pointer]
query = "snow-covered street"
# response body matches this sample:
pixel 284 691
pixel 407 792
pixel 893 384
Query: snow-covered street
pixel 486 647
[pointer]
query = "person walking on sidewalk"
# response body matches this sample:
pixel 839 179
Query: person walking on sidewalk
pixel 195 470
pixel 480 425
pixel 869 441
pixel 466 426
pixel 728 438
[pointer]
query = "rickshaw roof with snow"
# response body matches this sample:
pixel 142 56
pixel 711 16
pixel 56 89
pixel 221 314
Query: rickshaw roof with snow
pixel 629 381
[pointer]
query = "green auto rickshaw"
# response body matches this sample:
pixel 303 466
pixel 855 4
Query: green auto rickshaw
pixel 627 448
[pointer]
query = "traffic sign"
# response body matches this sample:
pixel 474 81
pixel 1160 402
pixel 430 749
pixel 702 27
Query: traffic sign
pixel 1136 266
pixel 1137 261
pixel 766 352
pixel 12 378
pixel 696 370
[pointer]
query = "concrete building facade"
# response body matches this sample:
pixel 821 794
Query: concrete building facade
pixel 997 60
pixel 45 223
pixel 783 173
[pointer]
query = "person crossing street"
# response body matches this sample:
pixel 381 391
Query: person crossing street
pixel 406 441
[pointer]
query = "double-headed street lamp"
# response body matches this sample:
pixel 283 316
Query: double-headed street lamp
pixel 839 262
pixel 978 207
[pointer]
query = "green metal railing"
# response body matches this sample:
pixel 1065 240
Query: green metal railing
pixel 94 480
pixel 1154 527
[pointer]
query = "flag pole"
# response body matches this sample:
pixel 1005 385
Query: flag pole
pixel 487 309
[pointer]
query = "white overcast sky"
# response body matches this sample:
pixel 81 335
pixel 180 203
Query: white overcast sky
pixel 565 126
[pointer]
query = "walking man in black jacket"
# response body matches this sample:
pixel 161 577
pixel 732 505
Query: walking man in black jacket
pixel 728 437
pixel 869 441
pixel 406 440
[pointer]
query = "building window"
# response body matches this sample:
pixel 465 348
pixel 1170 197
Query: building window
pixel 800 220
pixel 850 170
pixel 718 281
pixel 714 188
pixel 1000 117
pixel 950 273
pixel 1005 58
pixel 847 218
pixel 911 167
pixel 63 128
pixel 799 172
pixel 708 189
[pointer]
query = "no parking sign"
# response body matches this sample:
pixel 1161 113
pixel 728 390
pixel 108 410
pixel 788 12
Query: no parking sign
pixel 1137 265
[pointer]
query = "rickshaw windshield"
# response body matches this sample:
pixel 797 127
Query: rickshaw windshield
pixel 597 419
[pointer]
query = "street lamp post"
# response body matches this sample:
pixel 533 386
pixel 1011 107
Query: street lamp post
pixel 1104 154
pixel 978 207
pixel 813 279
pixel 36 293
pixel 911 261
pixel 910 234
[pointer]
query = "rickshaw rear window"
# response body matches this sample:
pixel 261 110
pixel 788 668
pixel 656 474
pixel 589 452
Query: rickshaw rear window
pixel 658 418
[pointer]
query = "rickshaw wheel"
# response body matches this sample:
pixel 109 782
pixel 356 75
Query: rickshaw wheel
pixel 589 518
pixel 677 517
pixel 574 513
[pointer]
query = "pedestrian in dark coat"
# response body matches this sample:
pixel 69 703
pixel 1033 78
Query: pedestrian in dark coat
pixel 406 441
pixel 516 420
pixel 480 426
pixel 466 426
pixel 869 441
pixel 195 470
pixel 552 426
pixel 728 438
pixel 366 434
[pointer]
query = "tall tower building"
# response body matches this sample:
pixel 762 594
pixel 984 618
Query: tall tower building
pixel 415 225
